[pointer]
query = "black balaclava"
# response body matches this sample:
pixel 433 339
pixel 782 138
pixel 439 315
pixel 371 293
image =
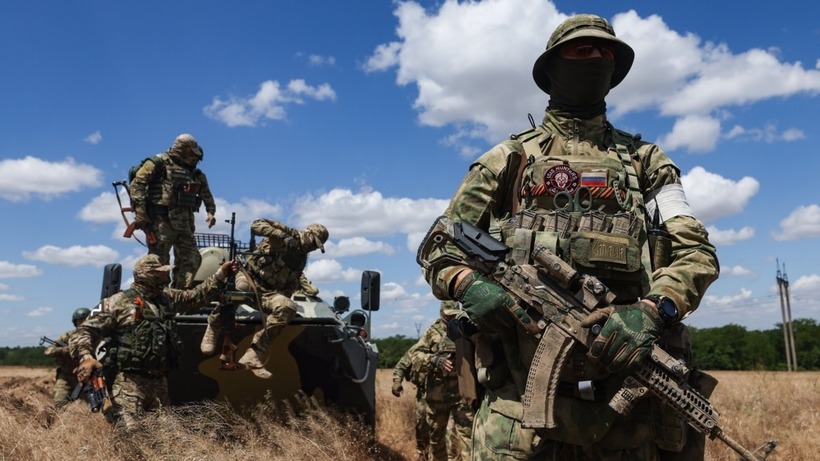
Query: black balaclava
pixel 579 86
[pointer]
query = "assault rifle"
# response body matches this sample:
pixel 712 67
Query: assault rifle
pixel 47 340
pixel 227 308
pixel 558 299
pixel 96 392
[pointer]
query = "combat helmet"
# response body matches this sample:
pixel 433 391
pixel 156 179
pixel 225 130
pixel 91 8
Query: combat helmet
pixel 449 309
pixel 186 146
pixel 583 25
pixel 80 315
pixel 317 234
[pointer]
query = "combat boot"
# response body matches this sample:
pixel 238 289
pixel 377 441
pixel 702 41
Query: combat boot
pixel 208 344
pixel 252 359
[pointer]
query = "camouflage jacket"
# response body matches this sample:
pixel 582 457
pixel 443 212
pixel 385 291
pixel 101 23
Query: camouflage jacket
pixel 123 313
pixel 502 182
pixel 164 185
pixel 61 354
pixel 438 385
pixel 273 266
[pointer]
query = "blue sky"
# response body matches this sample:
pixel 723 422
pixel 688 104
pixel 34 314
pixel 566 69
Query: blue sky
pixel 364 115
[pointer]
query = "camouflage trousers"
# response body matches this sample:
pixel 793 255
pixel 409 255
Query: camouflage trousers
pixel 180 238
pixel 422 428
pixel 449 445
pixel 63 386
pixel 500 436
pixel 133 394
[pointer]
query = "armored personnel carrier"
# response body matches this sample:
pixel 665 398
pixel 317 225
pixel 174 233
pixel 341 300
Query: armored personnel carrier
pixel 323 353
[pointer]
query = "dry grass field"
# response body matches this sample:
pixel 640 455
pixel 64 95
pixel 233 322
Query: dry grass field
pixel 755 407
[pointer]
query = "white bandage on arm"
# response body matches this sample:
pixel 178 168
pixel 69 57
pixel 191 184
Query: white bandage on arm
pixel 670 201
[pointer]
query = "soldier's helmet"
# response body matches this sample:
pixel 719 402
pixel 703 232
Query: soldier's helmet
pixel 578 26
pixel 149 269
pixel 80 315
pixel 317 234
pixel 449 309
pixel 187 148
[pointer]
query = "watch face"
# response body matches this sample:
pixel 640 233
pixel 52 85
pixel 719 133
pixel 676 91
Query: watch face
pixel 668 308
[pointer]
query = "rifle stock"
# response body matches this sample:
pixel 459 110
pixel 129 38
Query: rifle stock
pixel 558 298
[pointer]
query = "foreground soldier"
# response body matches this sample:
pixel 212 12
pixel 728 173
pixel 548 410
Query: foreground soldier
pixel 274 273
pixel 144 344
pixel 66 381
pixel 434 357
pixel 166 191
pixel 590 194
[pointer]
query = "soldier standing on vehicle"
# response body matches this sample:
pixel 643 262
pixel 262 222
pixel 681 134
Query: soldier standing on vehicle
pixel 143 342
pixel 434 358
pixel 274 273
pixel 165 192
pixel 66 381
pixel 590 194
pixel 403 371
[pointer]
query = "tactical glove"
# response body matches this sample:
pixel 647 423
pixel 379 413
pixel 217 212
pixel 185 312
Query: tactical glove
pixel 627 336
pixel 87 366
pixel 397 389
pixel 489 307
pixel 442 363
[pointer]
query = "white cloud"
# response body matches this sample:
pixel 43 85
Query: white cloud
pixel 39 312
pixel 355 246
pixel 803 222
pixel 768 134
pixel 8 297
pixel 330 270
pixel 318 60
pixel 94 138
pixel 23 178
pixel 458 56
pixel 729 236
pixel 9 270
pixel 76 255
pixel 104 208
pixel 696 133
pixel 806 284
pixel 367 213
pixel 269 102
pixel 713 196
pixel 737 271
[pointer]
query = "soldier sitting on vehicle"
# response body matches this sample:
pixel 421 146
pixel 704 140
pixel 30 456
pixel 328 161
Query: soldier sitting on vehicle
pixel 274 273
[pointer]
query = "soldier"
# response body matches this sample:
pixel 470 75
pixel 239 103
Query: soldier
pixel 434 357
pixel 165 192
pixel 403 371
pixel 590 194
pixel 144 344
pixel 274 273
pixel 66 381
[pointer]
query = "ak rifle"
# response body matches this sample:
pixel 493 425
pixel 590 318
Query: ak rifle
pixel 558 299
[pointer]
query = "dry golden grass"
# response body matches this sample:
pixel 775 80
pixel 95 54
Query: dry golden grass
pixel 754 406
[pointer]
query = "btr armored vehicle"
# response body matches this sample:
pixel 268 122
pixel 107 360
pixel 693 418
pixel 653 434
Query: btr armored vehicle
pixel 323 353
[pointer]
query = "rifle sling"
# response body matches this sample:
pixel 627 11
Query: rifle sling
pixel 539 396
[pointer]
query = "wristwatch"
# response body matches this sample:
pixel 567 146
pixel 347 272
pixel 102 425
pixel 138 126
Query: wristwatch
pixel 667 308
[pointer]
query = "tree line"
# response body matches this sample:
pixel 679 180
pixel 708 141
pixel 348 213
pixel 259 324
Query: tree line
pixel 730 347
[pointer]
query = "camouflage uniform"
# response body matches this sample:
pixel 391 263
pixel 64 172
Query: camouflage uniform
pixel 403 371
pixel 65 380
pixel 143 343
pixel 274 273
pixel 165 192
pixel 573 148
pixel 440 393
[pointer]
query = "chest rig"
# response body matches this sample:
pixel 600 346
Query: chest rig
pixel 583 202
pixel 176 187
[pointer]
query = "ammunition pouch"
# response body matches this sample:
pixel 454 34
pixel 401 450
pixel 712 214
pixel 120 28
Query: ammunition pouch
pixel 151 346
pixel 187 195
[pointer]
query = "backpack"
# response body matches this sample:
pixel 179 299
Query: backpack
pixel 159 171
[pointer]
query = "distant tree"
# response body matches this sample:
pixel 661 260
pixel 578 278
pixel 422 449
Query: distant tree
pixel 392 348
pixel 24 356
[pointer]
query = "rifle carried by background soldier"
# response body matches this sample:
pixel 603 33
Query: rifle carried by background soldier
pixel 47 340
pixel 559 299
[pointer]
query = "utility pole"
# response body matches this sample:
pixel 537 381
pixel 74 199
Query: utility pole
pixel 786 313
pixel 418 330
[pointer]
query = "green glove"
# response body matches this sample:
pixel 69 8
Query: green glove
pixel 488 305
pixel 627 336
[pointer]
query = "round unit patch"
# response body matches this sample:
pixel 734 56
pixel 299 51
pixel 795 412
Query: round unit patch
pixel 561 178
